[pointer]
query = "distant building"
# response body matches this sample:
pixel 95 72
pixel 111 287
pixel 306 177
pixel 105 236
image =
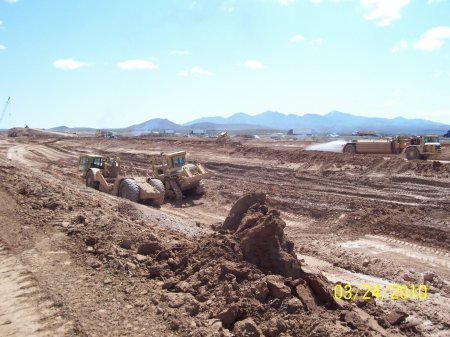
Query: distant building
pixel 276 136
pixel 365 133
pixel 300 132
pixel 198 132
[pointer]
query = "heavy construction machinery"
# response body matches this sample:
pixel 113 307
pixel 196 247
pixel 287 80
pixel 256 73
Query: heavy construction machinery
pixel 104 134
pixel 4 110
pixel 104 174
pixel 223 138
pixel 414 148
pixel 177 175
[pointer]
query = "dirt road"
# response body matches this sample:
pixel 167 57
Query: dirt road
pixel 356 219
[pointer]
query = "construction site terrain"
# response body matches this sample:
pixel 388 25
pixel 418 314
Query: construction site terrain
pixel 78 262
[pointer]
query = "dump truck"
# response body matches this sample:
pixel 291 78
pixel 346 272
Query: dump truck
pixel 104 134
pixel 104 174
pixel 178 175
pixel 414 148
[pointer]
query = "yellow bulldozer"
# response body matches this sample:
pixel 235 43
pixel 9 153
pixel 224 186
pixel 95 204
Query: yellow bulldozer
pixel 414 148
pixel 104 174
pixel 178 175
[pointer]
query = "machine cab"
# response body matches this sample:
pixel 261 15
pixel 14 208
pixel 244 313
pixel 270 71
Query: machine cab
pixel 173 162
pixel 177 159
pixel 432 144
pixel 89 161
pixel 431 140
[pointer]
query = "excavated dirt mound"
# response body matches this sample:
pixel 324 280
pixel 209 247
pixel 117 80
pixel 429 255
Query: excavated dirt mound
pixel 261 237
pixel 246 279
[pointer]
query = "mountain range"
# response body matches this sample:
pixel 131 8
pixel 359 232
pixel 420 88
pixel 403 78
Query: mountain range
pixel 333 122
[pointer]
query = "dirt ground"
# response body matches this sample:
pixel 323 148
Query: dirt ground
pixel 74 261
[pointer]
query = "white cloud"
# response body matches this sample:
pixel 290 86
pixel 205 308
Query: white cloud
pixel 383 11
pixel 11 1
pixel 284 2
pixel 316 2
pixel 402 44
pixel 137 65
pixel 297 38
pixel 200 72
pixel 2 47
pixel 195 71
pixel 433 39
pixel 389 104
pixel 179 52
pixel 229 6
pixel 253 64
pixel 69 64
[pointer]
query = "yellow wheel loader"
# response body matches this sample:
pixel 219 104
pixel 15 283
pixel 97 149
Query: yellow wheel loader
pixel 178 175
pixel 103 174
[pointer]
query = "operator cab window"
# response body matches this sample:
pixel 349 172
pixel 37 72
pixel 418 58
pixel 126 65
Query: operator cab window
pixel 83 163
pixel 178 161
pixel 431 140
pixel 96 162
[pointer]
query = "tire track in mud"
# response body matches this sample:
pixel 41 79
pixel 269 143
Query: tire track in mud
pixel 430 256
pixel 296 184
pixel 24 308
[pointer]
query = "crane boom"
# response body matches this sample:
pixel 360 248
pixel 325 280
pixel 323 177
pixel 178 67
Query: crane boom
pixel 4 109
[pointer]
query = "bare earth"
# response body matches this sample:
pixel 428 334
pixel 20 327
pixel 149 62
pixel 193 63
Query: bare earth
pixel 69 262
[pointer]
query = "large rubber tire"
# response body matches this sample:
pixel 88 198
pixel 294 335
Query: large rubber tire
pixel 197 190
pixel 350 148
pixel 200 188
pixel 412 153
pixel 158 184
pixel 129 189
pixel 90 180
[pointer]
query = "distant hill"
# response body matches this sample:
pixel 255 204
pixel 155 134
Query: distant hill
pixel 228 126
pixel 333 122
pixel 67 129
pixel 152 124
pixel 165 124
pixel 62 128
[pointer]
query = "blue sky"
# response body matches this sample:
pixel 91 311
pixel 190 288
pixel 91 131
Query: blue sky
pixel 114 63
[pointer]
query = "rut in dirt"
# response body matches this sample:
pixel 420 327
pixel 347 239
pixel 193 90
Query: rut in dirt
pixel 25 310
